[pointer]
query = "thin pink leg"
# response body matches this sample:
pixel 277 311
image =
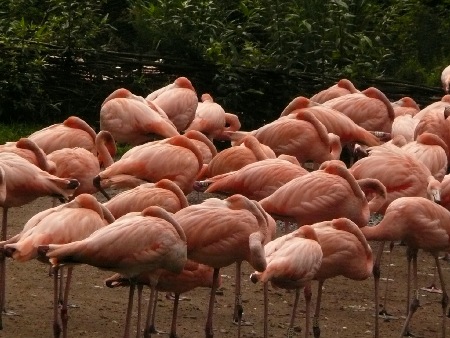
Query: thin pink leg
pixel 56 316
pixel 64 314
pixel 139 305
pixel 316 326
pixel 238 309
pixel 173 327
pixel 209 323
pixel 126 334
pixel 414 305
pixel 290 332
pixel 153 298
pixel 444 301
pixel 376 277
pixel 266 309
pixel 308 294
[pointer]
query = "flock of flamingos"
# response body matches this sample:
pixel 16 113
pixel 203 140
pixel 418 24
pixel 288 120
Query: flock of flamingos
pixel 290 170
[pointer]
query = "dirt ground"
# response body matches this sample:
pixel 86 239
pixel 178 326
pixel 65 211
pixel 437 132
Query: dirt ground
pixel 97 311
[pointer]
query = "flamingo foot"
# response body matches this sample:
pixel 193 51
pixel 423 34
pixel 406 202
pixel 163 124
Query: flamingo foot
pixel 171 296
pixel 432 288
pixel 446 257
pixel 243 322
pixel 386 315
pixel 9 313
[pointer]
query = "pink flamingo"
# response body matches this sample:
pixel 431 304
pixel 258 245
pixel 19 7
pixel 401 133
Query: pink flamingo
pixel 342 87
pixel 146 241
pixel 30 151
pixel 250 150
pixel 255 180
pixel 81 164
pixel 212 120
pixel 346 253
pixel 134 122
pixel 178 100
pixel 292 262
pixel 73 132
pixel 193 275
pixel 176 158
pixel 204 144
pixel 328 193
pixel 222 232
pixel 369 109
pixel 445 79
pixel 404 125
pixel 432 151
pixel 66 223
pixel 436 107
pixel 164 193
pixel 420 224
pixel 294 136
pixel 405 106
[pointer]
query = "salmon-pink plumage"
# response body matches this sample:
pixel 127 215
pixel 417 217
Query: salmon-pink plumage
pixel 342 87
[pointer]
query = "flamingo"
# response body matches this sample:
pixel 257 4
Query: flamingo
pixel 123 93
pixel 420 224
pixel 149 241
pixel 73 132
pixel 134 122
pixel 346 252
pixel 178 100
pixel 204 144
pixel 405 106
pixel 212 120
pixel 222 232
pixel 176 158
pixel 445 79
pixel 436 107
pixel 342 87
pixel 432 151
pixel 404 125
pixel 369 109
pixel 193 275
pixel 20 183
pixel 292 262
pixel 68 222
pixel 30 151
pixel 294 136
pixel 164 193
pixel 255 180
pixel 250 150
pixel 328 193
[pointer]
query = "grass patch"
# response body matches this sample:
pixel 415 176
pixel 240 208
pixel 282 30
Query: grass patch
pixel 13 132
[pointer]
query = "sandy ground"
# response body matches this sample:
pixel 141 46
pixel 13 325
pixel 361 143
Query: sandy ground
pixel 97 311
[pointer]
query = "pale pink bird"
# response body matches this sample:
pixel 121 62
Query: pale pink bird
pixel 250 150
pixel 420 224
pixel 324 194
pixel 294 136
pixel 204 144
pixel 149 241
pixel 66 223
pixel 346 253
pixel 334 121
pixel 342 87
pixel 164 193
pixel 134 122
pixel 432 151
pixel 406 176
pixel 73 132
pixel 445 192
pixel 212 120
pixel 30 151
pixel 194 275
pixel 222 232
pixel 255 180
pixel 436 107
pixel 123 93
pixel 20 183
pixel 404 125
pixel 369 109
pixel 292 262
pixel 81 164
pixel 175 158
pixel 445 79
pixel 405 106
pixel 178 100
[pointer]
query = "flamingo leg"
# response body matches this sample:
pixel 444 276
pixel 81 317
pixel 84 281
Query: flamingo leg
pixel 238 309
pixel 56 316
pixel 290 332
pixel 308 294
pixel 444 301
pixel 316 327
pixel 173 327
pixel 64 315
pixel 433 287
pixel 149 326
pixel 414 305
pixel 126 333
pixel 376 275
pixel 139 306
pixel 266 309
pixel 209 323
pixel 384 312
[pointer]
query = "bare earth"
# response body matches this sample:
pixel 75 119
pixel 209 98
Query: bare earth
pixel 97 311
